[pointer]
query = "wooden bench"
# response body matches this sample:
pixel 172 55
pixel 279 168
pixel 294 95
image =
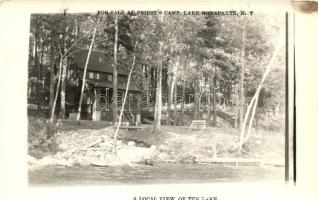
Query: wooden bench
pixel 198 125
pixel 126 126
pixel 130 127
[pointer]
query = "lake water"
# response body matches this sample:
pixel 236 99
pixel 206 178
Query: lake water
pixel 157 174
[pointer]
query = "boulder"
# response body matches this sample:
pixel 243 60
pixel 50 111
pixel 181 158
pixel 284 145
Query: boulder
pixel 163 156
pixel 131 143
pixel 135 155
pixel 163 147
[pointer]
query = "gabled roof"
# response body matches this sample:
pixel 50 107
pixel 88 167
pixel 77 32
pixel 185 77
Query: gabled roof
pixel 98 61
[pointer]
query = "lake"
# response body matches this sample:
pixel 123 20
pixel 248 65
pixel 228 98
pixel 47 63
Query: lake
pixel 160 173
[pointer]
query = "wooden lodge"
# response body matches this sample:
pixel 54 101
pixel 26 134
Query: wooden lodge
pixel 97 103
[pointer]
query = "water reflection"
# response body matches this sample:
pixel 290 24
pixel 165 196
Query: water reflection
pixel 159 173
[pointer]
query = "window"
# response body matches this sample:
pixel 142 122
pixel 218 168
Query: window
pixel 94 75
pixel 100 59
pixel 122 80
pixel 91 75
pixel 109 77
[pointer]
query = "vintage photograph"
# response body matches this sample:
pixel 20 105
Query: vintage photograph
pixel 156 97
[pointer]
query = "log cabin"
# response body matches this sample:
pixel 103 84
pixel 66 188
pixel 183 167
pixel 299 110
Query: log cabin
pixel 97 104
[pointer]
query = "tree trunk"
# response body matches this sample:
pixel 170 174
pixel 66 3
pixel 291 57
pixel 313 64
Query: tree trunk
pixel 52 76
pixel 157 117
pixel 125 96
pixel 170 92
pixel 37 74
pixel 256 123
pixel 251 119
pixel 153 82
pixel 214 122
pixel 173 79
pixel 196 100
pixel 209 106
pixel 183 98
pixel 63 88
pixel 165 85
pixel 242 134
pixel 41 72
pixel 115 92
pixel 242 78
pixel 237 102
pixel 158 104
pixel 254 100
pixel 40 76
pixel 175 103
pixel 184 85
pixel 228 93
pixel 64 72
pixel 84 74
pixel 57 89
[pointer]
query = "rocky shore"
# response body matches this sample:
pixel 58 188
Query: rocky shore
pixel 171 144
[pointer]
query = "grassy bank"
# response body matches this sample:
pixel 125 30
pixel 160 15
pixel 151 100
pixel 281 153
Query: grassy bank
pixel 88 142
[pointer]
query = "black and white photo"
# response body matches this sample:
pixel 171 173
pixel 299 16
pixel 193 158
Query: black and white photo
pixel 148 97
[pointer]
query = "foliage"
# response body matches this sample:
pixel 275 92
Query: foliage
pixel 197 47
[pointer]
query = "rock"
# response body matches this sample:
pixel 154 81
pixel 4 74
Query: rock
pixel 60 154
pixel 244 151
pixel 233 148
pixel 163 147
pixel 163 156
pixel 188 159
pixel 148 162
pixel 36 142
pixel 119 142
pixel 219 148
pixel 63 146
pixel 256 155
pixel 105 145
pixel 172 152
pixel 47 161
pixel 153 147
pixel 131 143
pixel 131 154
pixel 247 147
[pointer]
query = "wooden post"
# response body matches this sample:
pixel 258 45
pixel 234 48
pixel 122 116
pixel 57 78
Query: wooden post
pixel 94 109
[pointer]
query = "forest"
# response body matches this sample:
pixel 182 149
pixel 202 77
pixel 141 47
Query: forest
pixel 226 70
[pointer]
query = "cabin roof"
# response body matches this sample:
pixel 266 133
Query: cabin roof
pixel 104 84
pixel 98 62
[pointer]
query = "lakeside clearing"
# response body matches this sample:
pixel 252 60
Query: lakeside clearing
pixel 92 143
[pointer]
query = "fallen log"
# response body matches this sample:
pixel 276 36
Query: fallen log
pixel 93 143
